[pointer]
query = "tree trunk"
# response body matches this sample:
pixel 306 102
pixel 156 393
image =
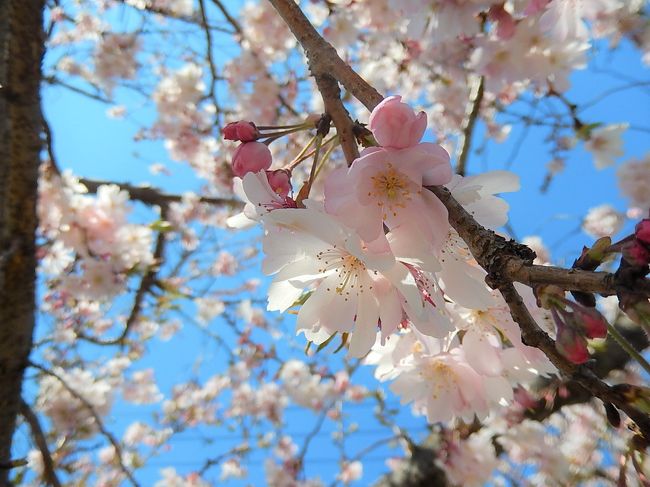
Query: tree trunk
pixel 21 51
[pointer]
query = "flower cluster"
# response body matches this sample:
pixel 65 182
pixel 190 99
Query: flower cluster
pixel 375 261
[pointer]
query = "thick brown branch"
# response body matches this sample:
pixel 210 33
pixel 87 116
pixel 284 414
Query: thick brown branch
pixel 607 358
pixel 323 58
pixel 49 474
pixel 509 261
pixel 603 283
pixel 329 90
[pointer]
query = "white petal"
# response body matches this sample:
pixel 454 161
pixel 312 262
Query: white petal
pixel 282 295
pixel 365 328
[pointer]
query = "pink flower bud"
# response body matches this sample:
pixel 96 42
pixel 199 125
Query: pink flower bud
pixel 572 345
pixel 642 231
pixel 636 253
pixel 251 157
pixel 591 322
pixel 241 130
pixel 506 25
pixel 394 124
pixel 280 181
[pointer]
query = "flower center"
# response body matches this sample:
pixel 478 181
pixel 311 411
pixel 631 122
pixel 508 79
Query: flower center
pixel 348 269
pixel 439 375
pixel 391 188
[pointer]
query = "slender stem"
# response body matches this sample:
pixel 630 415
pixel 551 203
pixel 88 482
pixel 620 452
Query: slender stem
pixel 302 156
pixel 468 129
pixel 281 133
pixel 327 154
pixel 627 346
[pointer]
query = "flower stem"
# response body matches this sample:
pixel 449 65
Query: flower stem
pixel 627 346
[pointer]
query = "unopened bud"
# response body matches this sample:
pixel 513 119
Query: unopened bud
pixel 280 181
pixel 572 345
pixel 251 157
pixel 642 231
pixel 592 257
pixel 636 253
pixel 241 130
pixel 548 295
pixel 591 322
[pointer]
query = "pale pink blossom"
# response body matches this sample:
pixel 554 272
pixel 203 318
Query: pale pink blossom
pixel 386 186
pixel 394 124
pixel 350 471
pixel 606 145
pixel 603 221
pixel 356 286
pixel 443 385
pixel 260 198
pixel 634 182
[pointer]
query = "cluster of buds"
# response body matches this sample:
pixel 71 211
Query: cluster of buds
pixel 575 324
pixel 253 156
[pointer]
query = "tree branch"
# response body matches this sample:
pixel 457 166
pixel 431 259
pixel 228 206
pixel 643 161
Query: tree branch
pixel 146 283
pixel 153 196
pixel 49 472
pixel 491 251
pixel 323 58
pixel 21 51
pixel 329 90
pixel 603 283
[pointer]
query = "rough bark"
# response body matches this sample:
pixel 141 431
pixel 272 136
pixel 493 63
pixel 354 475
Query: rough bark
pixel 21 51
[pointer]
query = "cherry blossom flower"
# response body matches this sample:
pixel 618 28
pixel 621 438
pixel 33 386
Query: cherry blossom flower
pixel 443 385
pixel 356 286
pixel 260 198
pixel 603 221
pixel 350 471
pixel 634 181
pixel 386 186
pixel 605 144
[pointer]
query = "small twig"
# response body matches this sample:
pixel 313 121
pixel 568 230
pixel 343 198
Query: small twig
pixel 153 196
pixel 468 129
pixel 627 346
pixel 49 472
pixel 53 80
